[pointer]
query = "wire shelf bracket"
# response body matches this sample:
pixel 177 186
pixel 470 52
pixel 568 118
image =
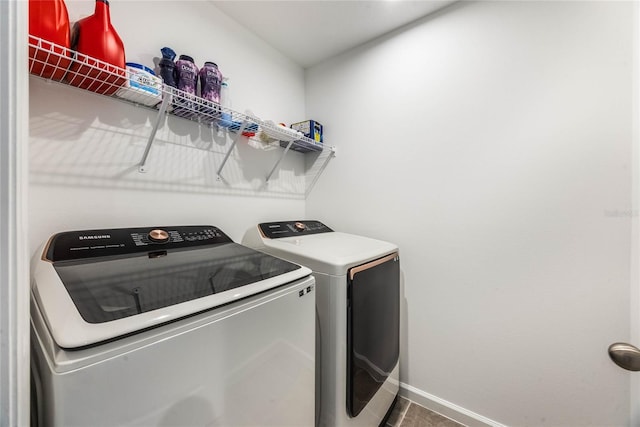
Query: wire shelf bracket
pixel 161 114
pixel 234 140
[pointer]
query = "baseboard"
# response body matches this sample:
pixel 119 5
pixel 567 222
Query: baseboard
pixel 445 408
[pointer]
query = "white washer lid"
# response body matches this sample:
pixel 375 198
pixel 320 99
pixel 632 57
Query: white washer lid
pixel 94 292
pixel 329 253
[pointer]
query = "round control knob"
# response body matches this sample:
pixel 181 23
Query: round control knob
pixel 300 226
pixel 158 236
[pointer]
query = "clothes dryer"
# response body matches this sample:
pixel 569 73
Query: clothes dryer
pixel 358 316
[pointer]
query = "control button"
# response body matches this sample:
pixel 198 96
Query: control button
pixel 300 226
pixel 158 236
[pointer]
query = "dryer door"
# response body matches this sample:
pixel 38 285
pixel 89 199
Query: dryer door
pixel 373 328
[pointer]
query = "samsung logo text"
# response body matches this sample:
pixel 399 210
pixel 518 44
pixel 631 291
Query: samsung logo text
pixel 96 237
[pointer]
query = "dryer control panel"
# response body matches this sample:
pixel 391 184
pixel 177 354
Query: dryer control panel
pixel 275 230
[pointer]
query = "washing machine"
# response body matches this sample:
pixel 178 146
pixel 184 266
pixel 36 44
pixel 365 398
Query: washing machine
pixel 358 316
pixel 160 326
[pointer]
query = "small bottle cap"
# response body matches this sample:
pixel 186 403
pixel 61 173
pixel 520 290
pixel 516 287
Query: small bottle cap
pixel 168 53
pixel 186 58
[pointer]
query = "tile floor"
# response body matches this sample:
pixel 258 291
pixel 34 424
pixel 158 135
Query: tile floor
pixel 409 414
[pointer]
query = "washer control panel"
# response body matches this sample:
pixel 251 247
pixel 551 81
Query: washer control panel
pixel 74 245
pixel 275 230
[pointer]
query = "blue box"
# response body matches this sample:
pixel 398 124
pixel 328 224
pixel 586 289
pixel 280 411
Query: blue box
pixel 310 128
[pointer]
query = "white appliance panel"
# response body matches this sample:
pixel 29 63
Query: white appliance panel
pixel 250 360
pixel 330 255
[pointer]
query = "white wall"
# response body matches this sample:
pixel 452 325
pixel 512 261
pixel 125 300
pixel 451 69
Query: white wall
pixel 85 148
pixel 492 142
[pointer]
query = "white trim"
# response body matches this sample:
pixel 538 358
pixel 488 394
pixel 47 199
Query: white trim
pixel 14 273
pixel 446 408
pixel 634 276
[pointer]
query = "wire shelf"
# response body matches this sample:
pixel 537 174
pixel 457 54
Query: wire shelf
pixel 54 62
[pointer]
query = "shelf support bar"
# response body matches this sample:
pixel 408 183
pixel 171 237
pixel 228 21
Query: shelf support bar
pixel 234 140
pixel 152 136
pixel 317 175
pixel 275 167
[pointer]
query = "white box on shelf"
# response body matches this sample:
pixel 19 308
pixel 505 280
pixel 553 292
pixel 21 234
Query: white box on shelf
pixel 142 86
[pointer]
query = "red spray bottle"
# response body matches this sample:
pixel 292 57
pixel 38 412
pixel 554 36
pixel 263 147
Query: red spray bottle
pixel 94 37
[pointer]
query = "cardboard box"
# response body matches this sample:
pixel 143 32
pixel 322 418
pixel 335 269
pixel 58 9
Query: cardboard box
pixel 310 128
